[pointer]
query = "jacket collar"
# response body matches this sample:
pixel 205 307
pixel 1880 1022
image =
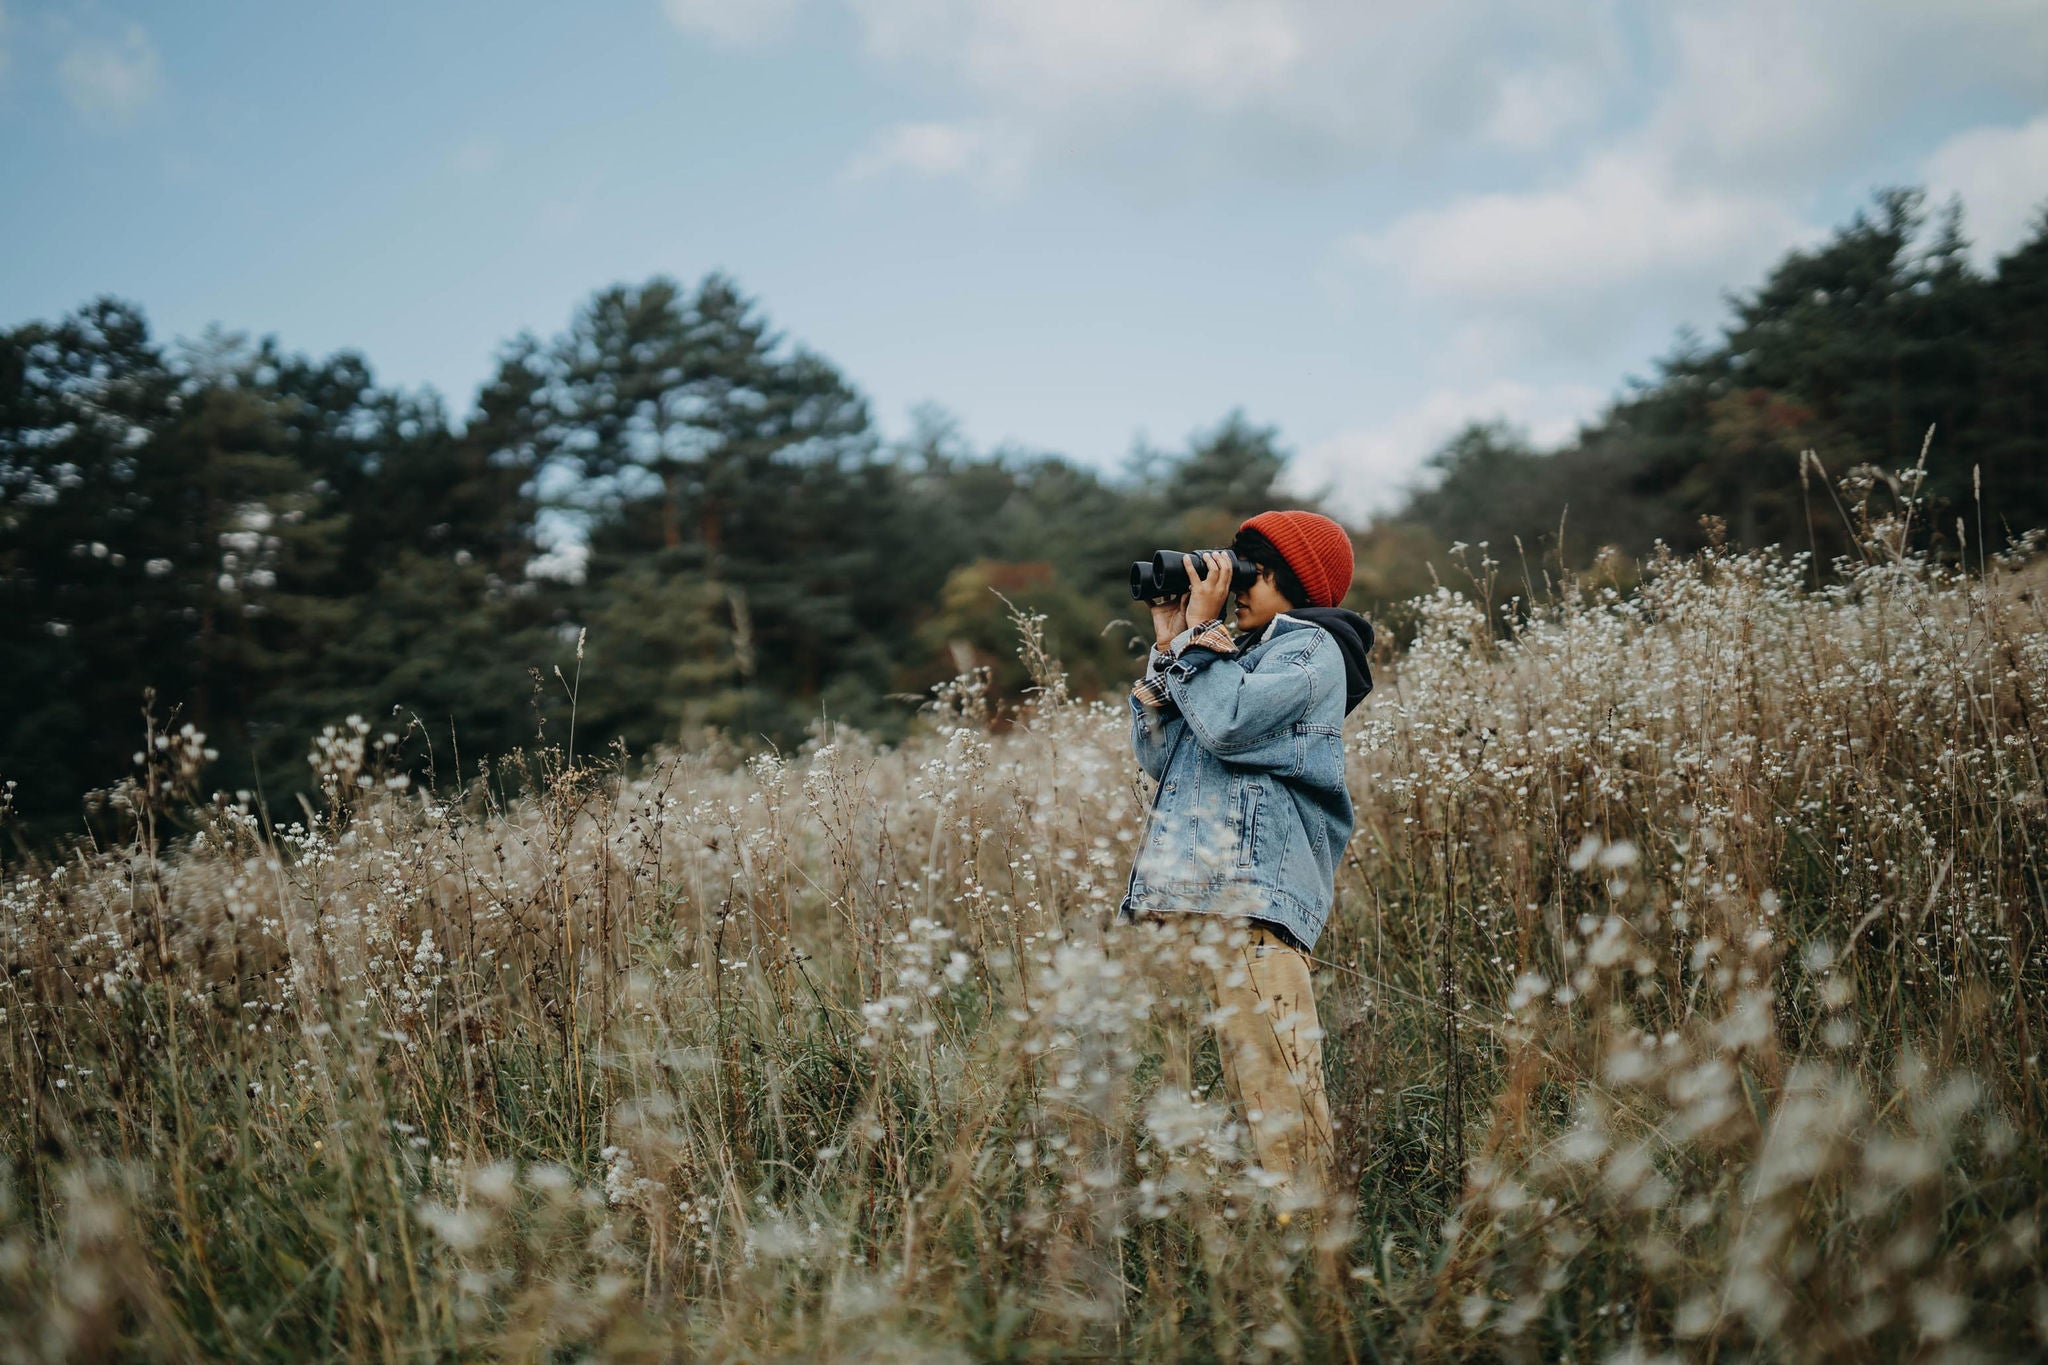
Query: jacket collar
pixel 1283 623
pixel 1276 628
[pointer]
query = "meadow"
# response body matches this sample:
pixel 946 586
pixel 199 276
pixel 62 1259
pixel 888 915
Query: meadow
pixel 1683 1000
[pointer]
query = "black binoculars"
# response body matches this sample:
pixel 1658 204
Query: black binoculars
pixel 1164 576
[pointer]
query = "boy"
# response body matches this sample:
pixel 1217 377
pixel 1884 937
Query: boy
pixel 1244 736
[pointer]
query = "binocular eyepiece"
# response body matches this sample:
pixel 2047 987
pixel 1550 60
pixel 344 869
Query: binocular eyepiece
pixel 1164 576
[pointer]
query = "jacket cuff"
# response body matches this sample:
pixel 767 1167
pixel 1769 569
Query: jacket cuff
pixel 1210 636
pixel 1151 692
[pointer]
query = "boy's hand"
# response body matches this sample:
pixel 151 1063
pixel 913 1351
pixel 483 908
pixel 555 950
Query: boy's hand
pixel 1207 595
pixel 1168 620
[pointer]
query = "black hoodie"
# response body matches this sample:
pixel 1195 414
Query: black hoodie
pixel 1353 634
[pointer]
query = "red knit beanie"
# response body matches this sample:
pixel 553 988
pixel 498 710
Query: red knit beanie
pixel 1316 548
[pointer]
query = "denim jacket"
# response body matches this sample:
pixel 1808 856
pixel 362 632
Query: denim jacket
pixel 1251 812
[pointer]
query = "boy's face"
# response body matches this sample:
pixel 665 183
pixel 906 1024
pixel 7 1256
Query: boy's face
pixel 1260 603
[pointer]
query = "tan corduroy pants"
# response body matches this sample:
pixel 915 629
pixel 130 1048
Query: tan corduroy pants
pixel 1272 1048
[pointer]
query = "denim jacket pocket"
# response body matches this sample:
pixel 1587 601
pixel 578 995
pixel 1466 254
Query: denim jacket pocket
pixel 1248 797
pixel 1318 753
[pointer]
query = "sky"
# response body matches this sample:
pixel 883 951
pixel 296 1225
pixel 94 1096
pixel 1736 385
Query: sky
pixel 1075 225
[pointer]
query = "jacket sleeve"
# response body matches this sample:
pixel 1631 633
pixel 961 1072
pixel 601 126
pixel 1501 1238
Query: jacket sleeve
pixel 1154 729
pixel 1247 717
pixel 1156 724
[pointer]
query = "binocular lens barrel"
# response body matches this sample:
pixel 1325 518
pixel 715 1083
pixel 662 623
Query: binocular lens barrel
pixel 1165 575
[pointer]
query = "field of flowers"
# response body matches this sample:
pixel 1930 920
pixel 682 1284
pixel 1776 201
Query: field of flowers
pixel 1684 998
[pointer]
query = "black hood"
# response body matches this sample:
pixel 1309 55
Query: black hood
pixel 1353 634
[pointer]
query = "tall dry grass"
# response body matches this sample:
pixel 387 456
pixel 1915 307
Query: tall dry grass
pixel 1683 997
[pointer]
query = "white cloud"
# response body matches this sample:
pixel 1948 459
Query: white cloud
pixel 990 156
pixel 1532 109
pixel 2002 175
pixel 112 82
pixel 738 23
pixel 1372 468
pixel 1764 90
pixel 1214 53
pixel 1753 79
pixel 1622 220
pixel 1758 91
pixel 1746 104
pixel 1335 76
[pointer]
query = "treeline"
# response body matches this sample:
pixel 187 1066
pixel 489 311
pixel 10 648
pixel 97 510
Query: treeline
pixel 1852 349
pixel 271 543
